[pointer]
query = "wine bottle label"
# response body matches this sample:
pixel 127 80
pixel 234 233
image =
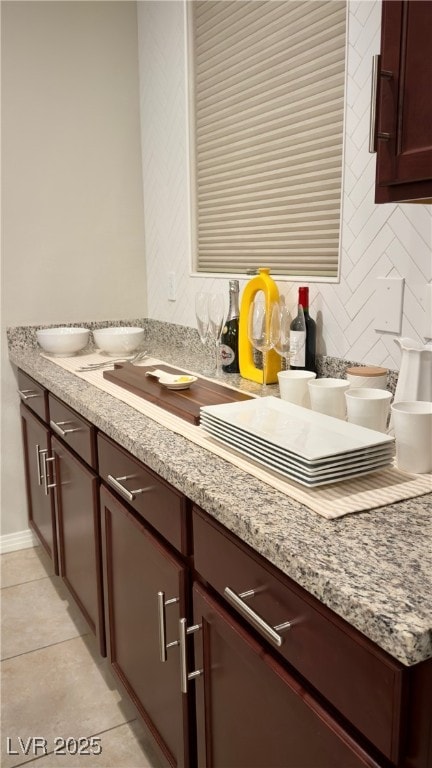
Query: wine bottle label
pixel 298 348
pixel 227 355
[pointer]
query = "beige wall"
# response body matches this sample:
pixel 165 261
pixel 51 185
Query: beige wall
pixel 72 208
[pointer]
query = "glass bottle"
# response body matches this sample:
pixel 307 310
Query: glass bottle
pixel 230 332
pixel 303 336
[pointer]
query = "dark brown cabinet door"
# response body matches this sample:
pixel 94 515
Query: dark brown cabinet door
pixel 404 138
pixel 250 712
pixel 78 523
pixel 136 568
pixel 36 444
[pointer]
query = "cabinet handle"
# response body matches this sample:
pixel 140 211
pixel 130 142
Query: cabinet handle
pixel 57 427
pixel 163 645
pixel 27 394
pixel 386 75
pixel 45 461
pixel 128 495
pixel 184 675
pixel 383 136
pixel 39 451
pixel 373 103
pixel 270 633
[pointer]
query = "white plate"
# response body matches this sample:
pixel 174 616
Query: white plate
pixel 288 463
pixel 307 434
pixel 363 454
pixel 296 474
pixel 335 465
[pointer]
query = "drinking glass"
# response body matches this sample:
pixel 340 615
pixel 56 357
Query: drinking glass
pixel 282 345
pixel 216 314
pixel 202 314
pixel 264 330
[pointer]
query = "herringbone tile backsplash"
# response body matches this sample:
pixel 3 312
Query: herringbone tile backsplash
pixel 377 241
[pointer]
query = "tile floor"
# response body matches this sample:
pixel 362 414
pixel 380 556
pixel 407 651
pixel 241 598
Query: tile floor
pixel 54 685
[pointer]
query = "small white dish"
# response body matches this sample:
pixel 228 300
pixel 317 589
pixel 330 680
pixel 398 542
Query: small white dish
pixel 183 382
pixel 172 380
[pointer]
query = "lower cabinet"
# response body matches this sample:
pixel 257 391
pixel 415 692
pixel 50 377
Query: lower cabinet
pixel 244 670
pixel 145 595
pixel 250 711
pixel 78 527
pixel 36 445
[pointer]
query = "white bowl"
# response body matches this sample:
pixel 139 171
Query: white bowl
pixel 119 339
pixel 62 341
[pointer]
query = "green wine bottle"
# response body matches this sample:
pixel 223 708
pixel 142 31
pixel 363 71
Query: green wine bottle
pixel 230 332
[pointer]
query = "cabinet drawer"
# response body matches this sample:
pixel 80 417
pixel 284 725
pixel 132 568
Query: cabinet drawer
pixel 78 433
pixel 147 493
pixel 359 679
pixel 33 395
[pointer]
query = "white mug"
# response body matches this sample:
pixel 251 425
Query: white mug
pixel 293 386
pixel 328 396
pixel 368 407
pixel 412 421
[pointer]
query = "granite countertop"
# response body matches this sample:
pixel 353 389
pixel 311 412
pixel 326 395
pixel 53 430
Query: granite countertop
pixel 374 569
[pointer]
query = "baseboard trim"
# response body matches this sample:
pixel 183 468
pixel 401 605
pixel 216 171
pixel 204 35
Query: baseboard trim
pixel 11 542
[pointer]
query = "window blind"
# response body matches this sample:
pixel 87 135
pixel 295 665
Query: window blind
pixel 267 103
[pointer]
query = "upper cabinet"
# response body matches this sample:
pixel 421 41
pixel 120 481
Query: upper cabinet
pixel 402 128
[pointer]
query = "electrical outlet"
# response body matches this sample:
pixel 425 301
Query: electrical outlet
pixel 389 304
pixel 172 286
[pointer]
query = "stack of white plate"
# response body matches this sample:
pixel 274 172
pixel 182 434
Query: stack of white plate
pixel 300 444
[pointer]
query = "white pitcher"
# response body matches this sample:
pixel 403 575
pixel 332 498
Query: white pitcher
pixel 415 376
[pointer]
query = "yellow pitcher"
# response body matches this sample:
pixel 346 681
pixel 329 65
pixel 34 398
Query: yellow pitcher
pixel 262 282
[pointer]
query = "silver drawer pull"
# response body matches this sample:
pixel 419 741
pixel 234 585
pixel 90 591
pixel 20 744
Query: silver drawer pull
pixel 57 427
pixel 163 645
pixel 39 451
pixel 115 482
pixel 271 633
pixel 184 675
pixel 45 461
pixel 27 394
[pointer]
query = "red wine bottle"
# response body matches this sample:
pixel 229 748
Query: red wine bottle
pixel 303 336
pixel 230 332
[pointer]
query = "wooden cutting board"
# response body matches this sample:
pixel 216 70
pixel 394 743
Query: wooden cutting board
pixel 185 403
